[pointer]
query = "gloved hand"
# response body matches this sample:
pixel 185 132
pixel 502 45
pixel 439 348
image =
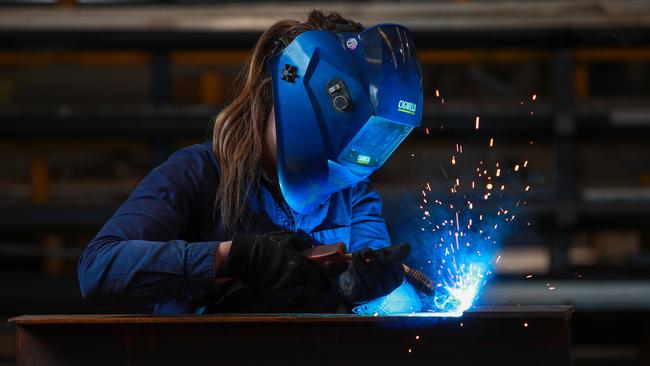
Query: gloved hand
pixel 373 273
pixel 272 261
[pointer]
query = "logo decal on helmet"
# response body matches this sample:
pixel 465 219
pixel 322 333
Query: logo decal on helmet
pixel 351 43
pixel 406 107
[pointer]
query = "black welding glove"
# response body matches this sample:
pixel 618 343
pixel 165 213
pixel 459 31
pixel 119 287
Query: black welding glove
pixel 373 273
pixel 272 261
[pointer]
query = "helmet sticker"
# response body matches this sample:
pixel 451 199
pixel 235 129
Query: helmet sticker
pixel 351 43
pixel 406 107
pixel 363 159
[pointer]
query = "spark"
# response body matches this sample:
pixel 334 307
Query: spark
pixel 534 96
pixel 426 130
pixel 529 276
pixel 491 142
pixel 453 160
pixel 498 173
pixel 437 93
pixel 527 188
pixel 443 170
pixel 477 122
pixel 525 325
pixel 525 163
pixel 517 167
pixel 417 337
pixel 489 186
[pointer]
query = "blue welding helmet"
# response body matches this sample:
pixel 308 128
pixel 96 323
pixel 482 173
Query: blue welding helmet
pixel 343 103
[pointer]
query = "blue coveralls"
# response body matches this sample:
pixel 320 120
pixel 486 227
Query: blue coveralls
pixel 158 248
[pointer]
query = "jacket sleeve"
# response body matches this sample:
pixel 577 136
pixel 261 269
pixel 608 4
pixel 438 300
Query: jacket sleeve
pixel 368 229
pixel 137 257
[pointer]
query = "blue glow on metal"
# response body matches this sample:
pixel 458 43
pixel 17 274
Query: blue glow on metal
pixel 403 300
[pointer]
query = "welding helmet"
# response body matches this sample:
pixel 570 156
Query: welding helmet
pixel 343 103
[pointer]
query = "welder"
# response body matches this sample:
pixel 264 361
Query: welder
pixel 221 226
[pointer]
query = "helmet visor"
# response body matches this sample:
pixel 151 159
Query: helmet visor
pixel 375 142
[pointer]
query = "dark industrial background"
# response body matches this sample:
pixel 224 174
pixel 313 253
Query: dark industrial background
pixel 95 93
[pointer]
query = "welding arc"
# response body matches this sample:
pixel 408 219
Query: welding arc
pixel 416 278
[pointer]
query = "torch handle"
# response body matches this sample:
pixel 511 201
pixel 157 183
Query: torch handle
pixel 333 259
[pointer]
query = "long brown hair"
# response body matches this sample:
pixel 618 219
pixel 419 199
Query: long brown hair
pixel 238 133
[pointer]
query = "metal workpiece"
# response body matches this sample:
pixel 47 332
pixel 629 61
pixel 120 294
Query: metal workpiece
pixel 511 335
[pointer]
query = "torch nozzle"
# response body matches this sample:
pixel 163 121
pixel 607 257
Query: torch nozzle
pixel 419 280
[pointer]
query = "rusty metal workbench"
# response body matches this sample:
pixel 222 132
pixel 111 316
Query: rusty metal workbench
pixel 531 335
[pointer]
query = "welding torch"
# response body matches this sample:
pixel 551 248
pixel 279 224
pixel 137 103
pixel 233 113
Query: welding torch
pixel 333 259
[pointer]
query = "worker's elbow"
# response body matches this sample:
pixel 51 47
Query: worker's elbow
pixel 90 290
pixel 89 282
pixel 92 276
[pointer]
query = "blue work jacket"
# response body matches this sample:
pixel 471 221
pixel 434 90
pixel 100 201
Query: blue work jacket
pixel 158 248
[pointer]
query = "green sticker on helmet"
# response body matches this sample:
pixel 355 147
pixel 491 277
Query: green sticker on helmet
pixel 363 159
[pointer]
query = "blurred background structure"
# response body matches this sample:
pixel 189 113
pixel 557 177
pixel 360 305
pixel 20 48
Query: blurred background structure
pixel 95 93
